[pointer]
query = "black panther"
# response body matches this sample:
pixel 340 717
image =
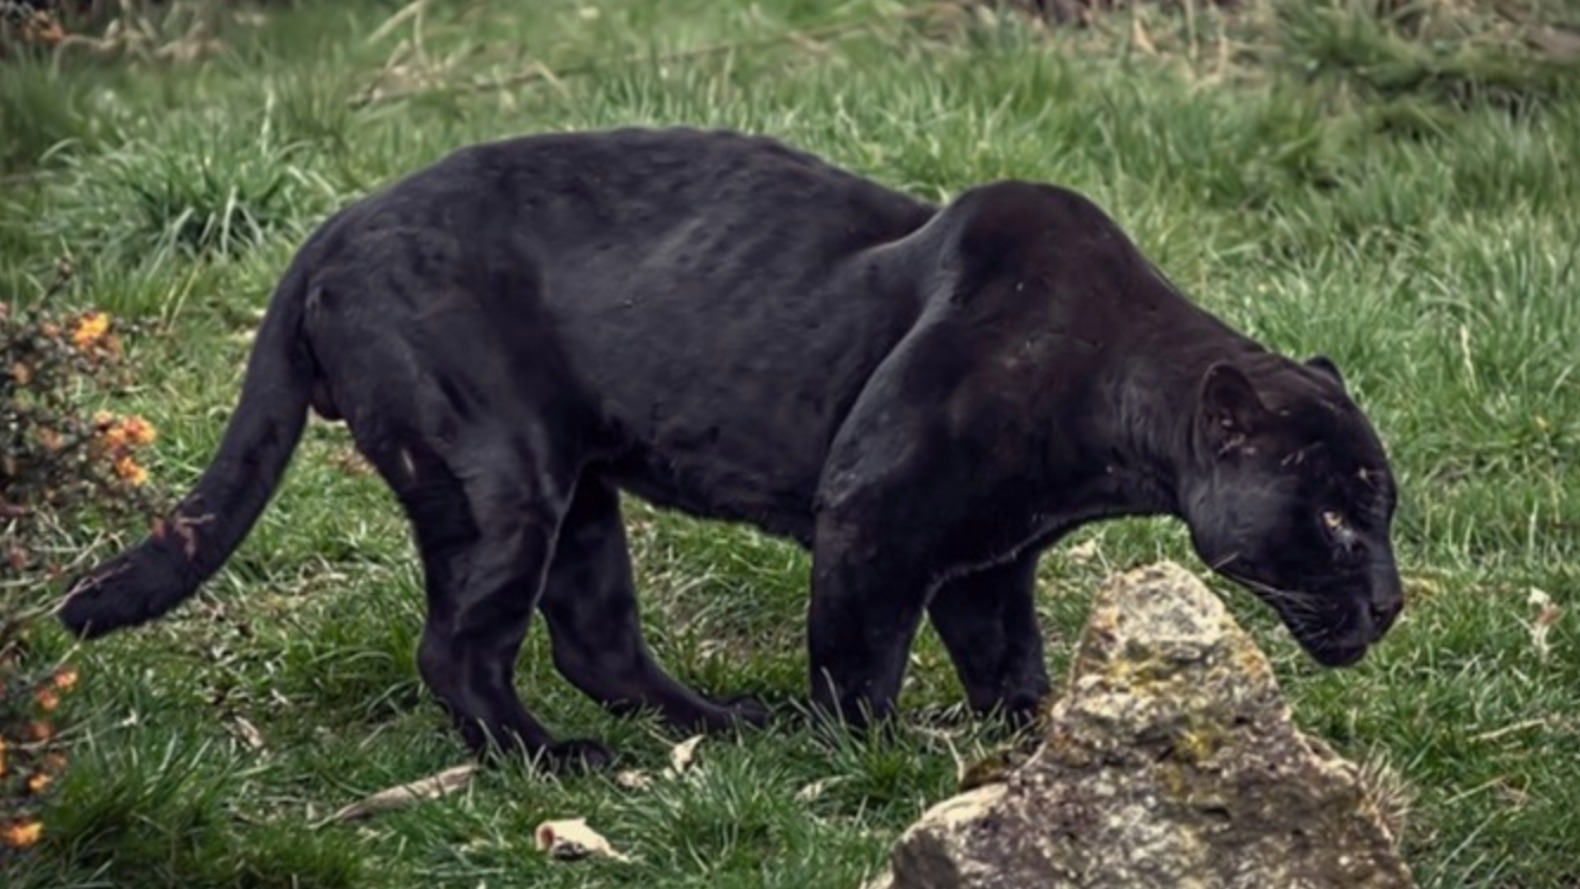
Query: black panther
pixel 924 396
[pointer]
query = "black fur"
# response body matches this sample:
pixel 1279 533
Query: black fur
pixel 925 397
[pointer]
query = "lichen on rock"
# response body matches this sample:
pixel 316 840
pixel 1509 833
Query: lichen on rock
pixel 1171 759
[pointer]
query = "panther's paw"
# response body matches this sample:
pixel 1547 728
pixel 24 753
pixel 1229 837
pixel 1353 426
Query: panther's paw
pixel 575 755
pixel 724 715
pixel 746 710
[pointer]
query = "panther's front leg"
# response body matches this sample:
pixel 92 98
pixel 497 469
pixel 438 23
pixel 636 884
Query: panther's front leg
pixel 987 620
pixel 930 478
pixel 868 596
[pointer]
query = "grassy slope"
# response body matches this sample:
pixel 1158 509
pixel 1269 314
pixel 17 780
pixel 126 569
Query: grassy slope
pixel 1434 259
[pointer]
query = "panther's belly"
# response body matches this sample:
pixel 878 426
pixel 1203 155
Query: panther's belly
pixel 777 503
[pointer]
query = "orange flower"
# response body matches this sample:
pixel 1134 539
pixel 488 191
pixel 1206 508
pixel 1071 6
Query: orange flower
pixel 50 439
pixel 21 373
pixel 90 329
pixel 2 757
pixel 139 431
pixel 129 471
pixel 38 782
pixel 114 435
pixel 118 432
pixel 41 731
pixel 65 678
pixel 46 699
pixel 21 834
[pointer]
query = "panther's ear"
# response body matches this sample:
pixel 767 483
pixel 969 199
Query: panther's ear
pixel 1325 365
pixel 1230 408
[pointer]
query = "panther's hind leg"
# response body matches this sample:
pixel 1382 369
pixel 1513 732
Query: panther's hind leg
pixel 453 386
pixel 485 538
pixel 590 604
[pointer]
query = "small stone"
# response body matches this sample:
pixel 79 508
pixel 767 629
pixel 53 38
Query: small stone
pixel 1170 760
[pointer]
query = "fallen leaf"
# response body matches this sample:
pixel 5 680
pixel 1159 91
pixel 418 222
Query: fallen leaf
pixel 432 787
pixel 571 839
pixel 817 788
pixel 1547 614
pixel 681 757
pixel 247 732
pixel 633 779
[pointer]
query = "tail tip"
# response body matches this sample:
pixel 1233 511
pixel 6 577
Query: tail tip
pixel 132 588
pixel 81 611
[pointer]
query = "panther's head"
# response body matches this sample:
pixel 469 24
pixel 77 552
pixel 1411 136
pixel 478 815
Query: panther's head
pixel 1291 496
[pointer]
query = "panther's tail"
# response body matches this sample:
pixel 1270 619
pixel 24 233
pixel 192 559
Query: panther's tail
pixel 195 540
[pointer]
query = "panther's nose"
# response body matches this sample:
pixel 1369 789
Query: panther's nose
pixel 1384 611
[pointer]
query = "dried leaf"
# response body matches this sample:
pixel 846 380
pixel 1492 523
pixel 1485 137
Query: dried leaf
pixel 571 840
pixel 682 755
pixel 633 779
pixel 432 787
pixel 247 732
pixel 817 788
pixel 1547 614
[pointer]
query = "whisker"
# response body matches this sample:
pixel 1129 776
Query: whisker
pixel 1292 598
pixel 1223 562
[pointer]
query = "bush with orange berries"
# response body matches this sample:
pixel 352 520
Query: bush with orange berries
pixel 60 468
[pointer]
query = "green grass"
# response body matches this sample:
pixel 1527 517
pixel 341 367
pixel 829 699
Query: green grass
pixel 1420 228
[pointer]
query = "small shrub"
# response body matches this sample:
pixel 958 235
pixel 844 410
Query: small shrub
pixel 59 466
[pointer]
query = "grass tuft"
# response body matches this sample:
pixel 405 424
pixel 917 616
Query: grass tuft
pixel 1459 52
pixel 42 114
pixel 166 814
pixel 202 198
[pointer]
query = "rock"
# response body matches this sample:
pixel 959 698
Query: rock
pixel 1170 760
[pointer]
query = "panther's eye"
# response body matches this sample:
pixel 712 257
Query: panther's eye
pixel 1342 536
